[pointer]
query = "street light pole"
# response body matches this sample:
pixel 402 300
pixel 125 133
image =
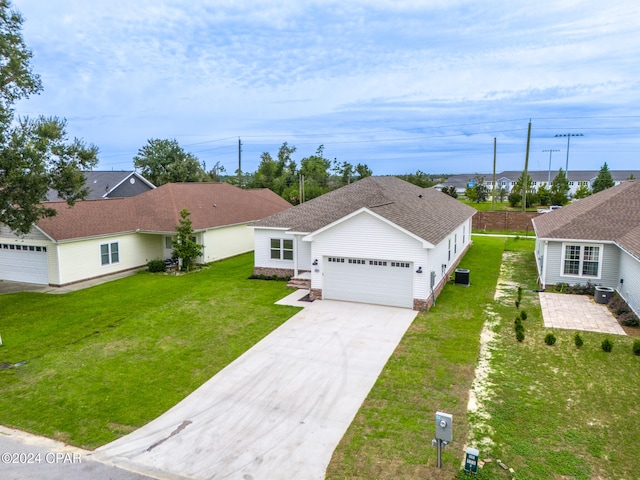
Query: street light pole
pixel 550 153
pixel 568 135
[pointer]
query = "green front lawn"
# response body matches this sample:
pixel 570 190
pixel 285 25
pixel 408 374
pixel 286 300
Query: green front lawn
pixel 103 361
pixel 548 412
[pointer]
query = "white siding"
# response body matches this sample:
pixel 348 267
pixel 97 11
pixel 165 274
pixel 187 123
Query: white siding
pixel 262 248
pixel 630 288
pixel 226 242
pixel 80 260
pixel 367 237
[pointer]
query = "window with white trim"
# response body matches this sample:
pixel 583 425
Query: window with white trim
pixel 449 251
pixel 109 253
pixel 281 249
pixel 581 260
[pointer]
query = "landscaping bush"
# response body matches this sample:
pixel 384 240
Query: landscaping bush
pixel 607 345
pixel 588 289
pixel 636 347
pixel 155 266
pixel 578 340
pixel 629 319
pixel 520 335
pixel 550 339
pixel 618 306
pixel 523 315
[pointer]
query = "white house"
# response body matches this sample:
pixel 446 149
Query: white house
pixel 379 240
pixel 99 237
pixel 596 240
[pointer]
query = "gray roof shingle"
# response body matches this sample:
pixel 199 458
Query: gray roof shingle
pixel 425 212
pixel 611 215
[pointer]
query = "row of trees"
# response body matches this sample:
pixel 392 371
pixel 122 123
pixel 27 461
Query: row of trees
pixel 165 161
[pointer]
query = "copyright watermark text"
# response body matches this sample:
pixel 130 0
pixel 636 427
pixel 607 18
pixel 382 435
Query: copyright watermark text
pixel 38 458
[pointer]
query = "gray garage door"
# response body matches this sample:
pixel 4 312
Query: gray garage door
pixel 377 281
pixel 24 263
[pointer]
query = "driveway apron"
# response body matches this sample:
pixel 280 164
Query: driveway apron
pixel 280 409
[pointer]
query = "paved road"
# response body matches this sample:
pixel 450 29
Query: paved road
pixel 28 457
pixel 279 410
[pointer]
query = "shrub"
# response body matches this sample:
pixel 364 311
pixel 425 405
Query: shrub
pixel 607 345
pixel 517 321
pixel 629 319
pixel 550 339
pixel 523 315
pixel 618 306
pixel 155 266
pixel 578 340
pixel 636 347
pixel 517 304
pixel 520 335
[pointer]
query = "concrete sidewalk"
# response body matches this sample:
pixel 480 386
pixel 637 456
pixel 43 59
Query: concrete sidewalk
pixel 577 312
pixel 279 410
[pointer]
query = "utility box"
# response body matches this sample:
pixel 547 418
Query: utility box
pixel 444 426
pixel 471 460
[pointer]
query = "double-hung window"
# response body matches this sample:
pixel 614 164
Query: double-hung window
pixel 281 249
pixel 582 260
pixel 109 253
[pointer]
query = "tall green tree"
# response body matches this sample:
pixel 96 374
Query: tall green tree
pixel 604 179
pixel 35 155
pixel 363 171
pixel 544 195
pixel 164 161
pixel 582 191
pixel 560 189
pixel 184 246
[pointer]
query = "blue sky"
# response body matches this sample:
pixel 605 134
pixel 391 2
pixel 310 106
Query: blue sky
pixel 398 85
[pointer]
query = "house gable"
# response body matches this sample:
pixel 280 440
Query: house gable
pixel 366 211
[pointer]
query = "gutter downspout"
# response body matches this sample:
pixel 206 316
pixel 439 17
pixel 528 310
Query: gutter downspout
pixel 295 255
pixel 543 274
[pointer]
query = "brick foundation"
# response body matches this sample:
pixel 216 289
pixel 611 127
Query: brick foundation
pixel 269 272
pixel 315 294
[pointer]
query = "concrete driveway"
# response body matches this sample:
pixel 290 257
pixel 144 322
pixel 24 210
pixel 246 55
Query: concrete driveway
pixel 279 410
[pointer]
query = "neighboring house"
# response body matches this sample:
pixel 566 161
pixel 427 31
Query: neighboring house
pixel 100 237
pixel 379 240
pixel 110 185
pixel 508 179
pixel 596 240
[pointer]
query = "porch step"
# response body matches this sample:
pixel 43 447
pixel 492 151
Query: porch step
pixel 299 283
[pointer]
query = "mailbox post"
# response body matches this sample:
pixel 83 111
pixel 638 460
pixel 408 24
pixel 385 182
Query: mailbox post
pixel 444 432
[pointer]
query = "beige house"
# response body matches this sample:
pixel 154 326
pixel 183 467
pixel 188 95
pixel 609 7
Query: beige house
pixel 104 236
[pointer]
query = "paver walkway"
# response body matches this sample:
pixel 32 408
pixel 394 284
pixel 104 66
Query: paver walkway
pixel 577 312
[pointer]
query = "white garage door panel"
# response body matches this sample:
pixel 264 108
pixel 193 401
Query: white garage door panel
pixel 381 282
pixel 24 265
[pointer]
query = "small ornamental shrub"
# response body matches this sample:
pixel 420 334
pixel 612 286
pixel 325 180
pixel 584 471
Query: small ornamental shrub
pixel 520 335
pixel 517 321
pixel 523 315
pixel 629 319
pixel 636 347
pixel 607 345
pixel 578 340
pixel 550 339
pixel 155 266
pixel 517 304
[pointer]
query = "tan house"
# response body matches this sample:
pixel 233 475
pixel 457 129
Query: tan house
pixel 104 236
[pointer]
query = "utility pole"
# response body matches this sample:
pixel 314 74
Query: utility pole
pixel 493 194
pixel 525 174
pixel 550 153
pixel 239 162
pixel 568 135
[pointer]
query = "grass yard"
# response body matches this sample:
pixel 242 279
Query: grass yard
pixel 547 412
pixel 104 361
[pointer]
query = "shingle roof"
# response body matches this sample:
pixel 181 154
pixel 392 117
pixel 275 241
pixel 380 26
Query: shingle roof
pixel 100 183
pixel 158 210
pixel 425 212
pixel 611 215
